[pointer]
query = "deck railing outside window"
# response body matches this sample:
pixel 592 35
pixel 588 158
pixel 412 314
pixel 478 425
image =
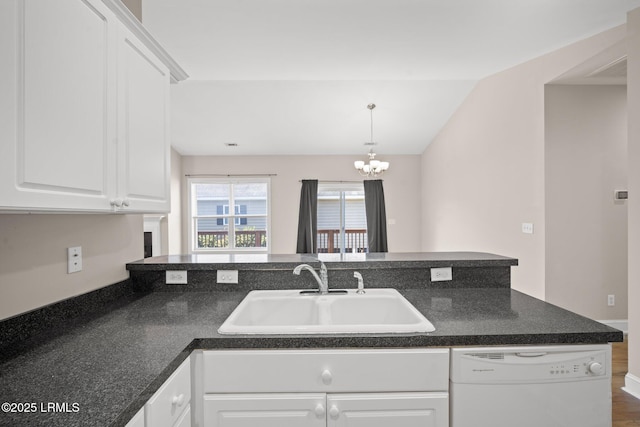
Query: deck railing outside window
pixel 329 241
pixel 244 239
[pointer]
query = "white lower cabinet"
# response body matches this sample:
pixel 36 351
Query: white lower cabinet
pixel 170 405
pixel 185 418
pixel 317 388
pixel 388 409
pixel 137 420
pixel 331 410
pixel 265 410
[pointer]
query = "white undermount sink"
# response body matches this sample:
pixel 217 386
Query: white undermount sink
pixel 290 312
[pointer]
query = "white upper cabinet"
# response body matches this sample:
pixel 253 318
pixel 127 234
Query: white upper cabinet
pixel 85 109
pixel 143 127
pixel 59 107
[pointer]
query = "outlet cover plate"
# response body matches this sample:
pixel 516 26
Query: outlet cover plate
pixel 227 276
pixel 176 277
pixel 74 259
pixel 441 274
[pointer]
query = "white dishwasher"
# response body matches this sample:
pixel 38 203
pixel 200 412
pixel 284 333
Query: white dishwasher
pixel 551 386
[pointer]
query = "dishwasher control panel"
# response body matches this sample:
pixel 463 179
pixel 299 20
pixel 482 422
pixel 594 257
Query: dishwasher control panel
pixel 501 365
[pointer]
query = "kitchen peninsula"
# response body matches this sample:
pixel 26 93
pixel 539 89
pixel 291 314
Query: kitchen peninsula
pixel 110 364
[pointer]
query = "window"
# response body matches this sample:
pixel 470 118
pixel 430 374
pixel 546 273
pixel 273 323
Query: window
pixel 238 209
pixel 215 227
pixel 342 223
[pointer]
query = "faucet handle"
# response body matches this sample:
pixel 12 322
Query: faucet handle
pixel 358 276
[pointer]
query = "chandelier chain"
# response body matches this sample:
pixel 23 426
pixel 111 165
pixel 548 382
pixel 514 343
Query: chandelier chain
pixel 371 107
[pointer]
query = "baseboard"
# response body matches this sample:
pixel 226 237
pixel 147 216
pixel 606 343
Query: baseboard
pixel 622 325
pixel 632 385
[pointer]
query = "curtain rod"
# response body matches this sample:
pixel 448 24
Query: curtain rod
pixel 337 182
pixel 200 175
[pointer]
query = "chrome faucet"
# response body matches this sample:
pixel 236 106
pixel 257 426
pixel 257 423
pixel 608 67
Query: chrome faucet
pixel 323 279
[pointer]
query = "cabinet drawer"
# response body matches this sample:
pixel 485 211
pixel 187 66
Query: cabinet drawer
pixel 238 371
pixel 168 403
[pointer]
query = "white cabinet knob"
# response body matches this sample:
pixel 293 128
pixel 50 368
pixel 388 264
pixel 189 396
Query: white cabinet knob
pixel 125 202
pixel 178 400
pixel 326 377
pixel 334 412
pixel 320 411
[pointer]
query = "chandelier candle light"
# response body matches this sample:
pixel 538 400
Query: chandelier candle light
pixel 374 167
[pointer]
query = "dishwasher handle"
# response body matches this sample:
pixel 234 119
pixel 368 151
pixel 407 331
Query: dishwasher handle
pixel 531 354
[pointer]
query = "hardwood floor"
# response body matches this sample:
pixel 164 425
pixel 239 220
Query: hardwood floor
pixel 626 408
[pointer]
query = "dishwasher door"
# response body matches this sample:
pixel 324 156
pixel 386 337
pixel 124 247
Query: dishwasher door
pixel 554 386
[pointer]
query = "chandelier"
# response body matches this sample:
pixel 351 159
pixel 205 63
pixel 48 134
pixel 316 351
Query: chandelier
pixel 374 167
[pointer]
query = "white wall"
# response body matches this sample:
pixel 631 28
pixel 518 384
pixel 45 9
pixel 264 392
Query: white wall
pixel 401 187
pixel 33 256
pixel 483 176
pixel 586 229
pixel 633 105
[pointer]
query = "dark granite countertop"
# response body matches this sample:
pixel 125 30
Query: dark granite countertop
pixel 289 261
pixel 110 365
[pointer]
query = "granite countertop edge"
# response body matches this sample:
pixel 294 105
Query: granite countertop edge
pixel 287 262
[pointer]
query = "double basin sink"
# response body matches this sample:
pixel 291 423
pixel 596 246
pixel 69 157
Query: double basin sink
pixel 342 312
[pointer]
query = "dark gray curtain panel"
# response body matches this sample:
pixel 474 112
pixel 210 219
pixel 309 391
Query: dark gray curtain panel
pixel 308 217
pixel 376 215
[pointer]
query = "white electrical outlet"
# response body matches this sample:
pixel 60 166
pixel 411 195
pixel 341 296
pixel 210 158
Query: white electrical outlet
pixel 527 228
pixel 227 276
pixel 74 259
pixel 176 277
pixel 441 274
pixel 611 300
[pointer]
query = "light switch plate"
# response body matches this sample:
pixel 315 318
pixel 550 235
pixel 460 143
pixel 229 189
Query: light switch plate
pixel 227 276
pixel 176 277
pixel 527 228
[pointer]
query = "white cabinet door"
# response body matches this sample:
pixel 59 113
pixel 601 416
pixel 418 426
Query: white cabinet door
pixel 185 418
pixel 137 420
pixel 58 112
pixel 168 404
pixel 83 113
pixel 143 128
pixel 264 410
pixel 388 409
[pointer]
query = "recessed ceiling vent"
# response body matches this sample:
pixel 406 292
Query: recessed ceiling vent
pixel 617 68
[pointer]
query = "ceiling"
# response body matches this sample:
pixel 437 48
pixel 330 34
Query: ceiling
pixel 295 76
